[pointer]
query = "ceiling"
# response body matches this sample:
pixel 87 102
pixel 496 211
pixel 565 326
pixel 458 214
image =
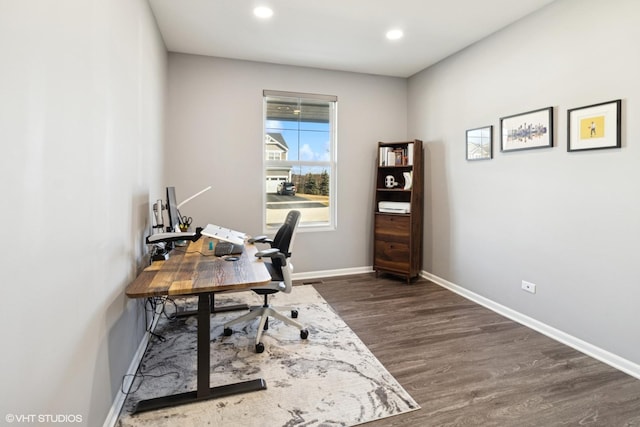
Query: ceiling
pixel 345 35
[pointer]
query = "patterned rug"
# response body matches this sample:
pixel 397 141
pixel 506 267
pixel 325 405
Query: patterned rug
pixel 330 379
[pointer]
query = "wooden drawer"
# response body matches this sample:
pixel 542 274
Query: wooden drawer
pixel 392 255
pixel 392 225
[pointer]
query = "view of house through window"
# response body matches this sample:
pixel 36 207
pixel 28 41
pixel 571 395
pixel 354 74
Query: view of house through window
pixel 299 158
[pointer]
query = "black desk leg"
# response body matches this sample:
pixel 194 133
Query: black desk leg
pixel 204 390
pixel 204 349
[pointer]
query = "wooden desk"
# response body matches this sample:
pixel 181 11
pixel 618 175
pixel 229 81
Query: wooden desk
pixel 196 271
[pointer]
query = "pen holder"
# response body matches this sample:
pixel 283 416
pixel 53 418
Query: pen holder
pixel 184 228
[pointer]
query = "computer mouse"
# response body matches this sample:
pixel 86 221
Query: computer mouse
pixel 231 258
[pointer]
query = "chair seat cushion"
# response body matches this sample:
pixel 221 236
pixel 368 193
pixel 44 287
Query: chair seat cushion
pixel 265 291
pixel 276 276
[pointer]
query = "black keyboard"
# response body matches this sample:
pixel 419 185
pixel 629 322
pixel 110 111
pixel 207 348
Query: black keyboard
pixel 227 248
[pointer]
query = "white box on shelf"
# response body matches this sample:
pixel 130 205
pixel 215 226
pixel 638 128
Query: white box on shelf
pixel 394 207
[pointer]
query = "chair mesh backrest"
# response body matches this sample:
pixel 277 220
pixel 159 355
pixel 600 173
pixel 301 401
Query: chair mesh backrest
pixel 285 236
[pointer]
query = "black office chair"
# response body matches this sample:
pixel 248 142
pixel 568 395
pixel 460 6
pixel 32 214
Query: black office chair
pixel 280 269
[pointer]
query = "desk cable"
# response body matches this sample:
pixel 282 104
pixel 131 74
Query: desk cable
pixel 151 305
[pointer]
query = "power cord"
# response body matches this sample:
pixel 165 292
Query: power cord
pixel 151 309
pixel 142 377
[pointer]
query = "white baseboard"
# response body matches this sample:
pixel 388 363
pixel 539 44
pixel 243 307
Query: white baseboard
pixel 118 402
pixel 591 350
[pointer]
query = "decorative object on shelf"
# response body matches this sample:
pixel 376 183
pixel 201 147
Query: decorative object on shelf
pixel 526 131
pixel 595 127
pixel 390 181
pixel 397 247
pixel 480 143
pixel 408 177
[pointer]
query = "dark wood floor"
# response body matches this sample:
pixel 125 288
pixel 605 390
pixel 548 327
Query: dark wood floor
pixel 466 365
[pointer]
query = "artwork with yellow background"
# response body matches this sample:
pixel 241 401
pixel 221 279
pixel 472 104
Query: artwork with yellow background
pixel 592 127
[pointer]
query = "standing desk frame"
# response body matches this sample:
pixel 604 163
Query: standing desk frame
pixel 197 271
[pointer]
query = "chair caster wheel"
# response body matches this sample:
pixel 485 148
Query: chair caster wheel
pixel 227 332
pixel 294 314
pixel 259 347
pixel 304 334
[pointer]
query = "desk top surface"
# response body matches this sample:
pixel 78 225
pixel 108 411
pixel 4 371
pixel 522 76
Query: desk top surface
pixel 194 269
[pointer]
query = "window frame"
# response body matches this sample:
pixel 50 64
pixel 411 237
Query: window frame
pixel 331 165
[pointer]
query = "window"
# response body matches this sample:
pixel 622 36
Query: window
pixel 300 158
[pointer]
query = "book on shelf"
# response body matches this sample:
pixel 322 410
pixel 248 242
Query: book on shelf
pixel 396 156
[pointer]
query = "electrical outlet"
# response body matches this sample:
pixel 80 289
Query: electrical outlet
pixel 529 287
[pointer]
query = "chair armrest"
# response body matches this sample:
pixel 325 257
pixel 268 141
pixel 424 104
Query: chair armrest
pixel 268 253
pixel 272 253
pixel 260 239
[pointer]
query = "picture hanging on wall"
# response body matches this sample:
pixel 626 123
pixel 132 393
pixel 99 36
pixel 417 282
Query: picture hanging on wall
pixel 526 131
pixel 594 127
pixel 480 143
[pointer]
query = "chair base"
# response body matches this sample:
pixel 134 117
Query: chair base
pixel 264 312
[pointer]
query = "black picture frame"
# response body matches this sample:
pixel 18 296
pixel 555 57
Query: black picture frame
pixel 527 131
pixel 595 127
pixel 479 143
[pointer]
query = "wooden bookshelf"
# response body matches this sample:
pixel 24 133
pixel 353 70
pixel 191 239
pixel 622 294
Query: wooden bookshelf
pixel 398 217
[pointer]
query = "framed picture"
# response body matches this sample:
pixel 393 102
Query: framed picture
pixel 527 130
pixel 594 127
pixel 480 143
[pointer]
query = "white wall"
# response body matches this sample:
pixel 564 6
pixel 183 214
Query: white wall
pixel 81 128
pixel 215 137
pixel 82 87
pixel 568 222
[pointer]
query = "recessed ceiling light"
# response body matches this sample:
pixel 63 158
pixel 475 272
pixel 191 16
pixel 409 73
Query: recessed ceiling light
pixel 394 34
pixel 263 12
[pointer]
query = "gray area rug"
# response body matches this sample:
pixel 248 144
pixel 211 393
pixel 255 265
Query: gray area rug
pixel 330 379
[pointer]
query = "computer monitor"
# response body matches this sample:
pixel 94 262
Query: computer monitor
pixel 172 209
